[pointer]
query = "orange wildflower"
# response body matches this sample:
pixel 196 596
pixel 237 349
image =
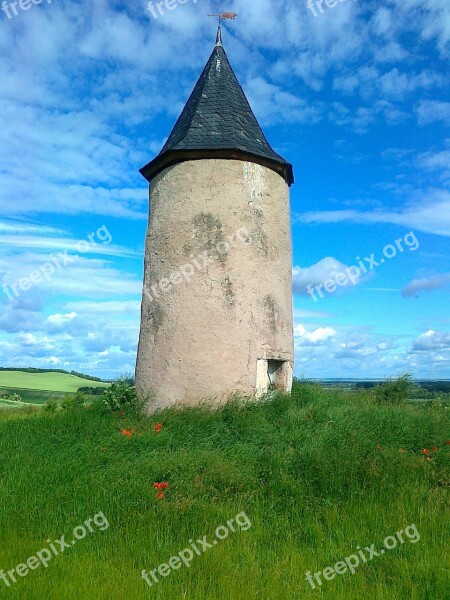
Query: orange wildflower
pixel 161 486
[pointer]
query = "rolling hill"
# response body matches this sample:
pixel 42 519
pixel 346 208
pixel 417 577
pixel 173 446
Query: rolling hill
pixel 38 388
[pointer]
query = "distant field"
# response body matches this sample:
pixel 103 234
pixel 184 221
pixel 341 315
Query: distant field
pixel 38 388
pixel 55 382
pixel 38 396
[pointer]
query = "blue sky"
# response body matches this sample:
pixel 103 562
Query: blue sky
pixel 357 98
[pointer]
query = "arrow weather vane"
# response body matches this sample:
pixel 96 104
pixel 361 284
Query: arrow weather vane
pixel 225 15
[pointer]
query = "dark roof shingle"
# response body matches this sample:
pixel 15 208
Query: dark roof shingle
pixel 217 120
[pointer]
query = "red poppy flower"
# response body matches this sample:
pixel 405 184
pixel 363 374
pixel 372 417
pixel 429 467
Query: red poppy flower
pixel 427 452
pixel 126 433
pixel 448 442
pixel 160 496
pixel 158 427
pixel 161 486
pixel 435 448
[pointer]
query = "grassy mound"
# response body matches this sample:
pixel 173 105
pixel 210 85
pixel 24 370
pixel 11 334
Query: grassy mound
pixel 317 474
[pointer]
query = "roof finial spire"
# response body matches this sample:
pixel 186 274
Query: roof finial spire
pixel 219 36
pixel 222 16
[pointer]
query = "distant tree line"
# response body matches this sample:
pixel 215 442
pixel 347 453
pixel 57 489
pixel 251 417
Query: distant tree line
pixel 91 391
pixel 420 388
pixel 35 370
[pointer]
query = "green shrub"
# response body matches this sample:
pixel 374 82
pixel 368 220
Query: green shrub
pixel 10 396
pixel 50 406
pixel 121 395
pixel 71 402
pixel 393 391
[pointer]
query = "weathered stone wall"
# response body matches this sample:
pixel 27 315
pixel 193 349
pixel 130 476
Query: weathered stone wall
pixel 203 336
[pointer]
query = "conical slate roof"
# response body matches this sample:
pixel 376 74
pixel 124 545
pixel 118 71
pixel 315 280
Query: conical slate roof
pixel 218 122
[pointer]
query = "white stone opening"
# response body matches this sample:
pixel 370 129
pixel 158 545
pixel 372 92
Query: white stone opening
pixel 273 375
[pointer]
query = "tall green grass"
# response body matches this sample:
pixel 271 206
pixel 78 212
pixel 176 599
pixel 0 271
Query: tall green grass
pixel 305 469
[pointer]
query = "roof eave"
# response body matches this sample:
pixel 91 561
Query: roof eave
pixel 173 157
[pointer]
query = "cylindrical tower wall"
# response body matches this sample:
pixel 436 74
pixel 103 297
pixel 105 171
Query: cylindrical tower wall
pixel 217 302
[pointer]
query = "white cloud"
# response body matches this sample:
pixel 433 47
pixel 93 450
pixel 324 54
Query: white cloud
pixel 370 82
pixel 349 351
pixel 430 111
pixel 432 341
pixel 71 245
pixel 22 227
pixel 318 336
pixel 426 284
pixel 357 350
pixel 128 307
pixel 360 119
pixel 431 214
pixel 272 104
pixel 59 319
pixel 326 269
pixel 83 278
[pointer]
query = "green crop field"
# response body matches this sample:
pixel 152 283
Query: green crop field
pixel 39 388
pixel 37 396
pixel 54 382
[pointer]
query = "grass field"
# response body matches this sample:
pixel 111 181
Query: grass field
pixel 55 382
pixel 38 388
pixel 317 475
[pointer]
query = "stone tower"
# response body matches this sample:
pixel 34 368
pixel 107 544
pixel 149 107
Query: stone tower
pixel 217 302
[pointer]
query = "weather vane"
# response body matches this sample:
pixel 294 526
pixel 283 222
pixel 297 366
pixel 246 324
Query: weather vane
pixel 225 15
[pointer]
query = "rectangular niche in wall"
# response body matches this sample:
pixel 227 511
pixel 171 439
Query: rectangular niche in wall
pixel 275 371
pixel 273 375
